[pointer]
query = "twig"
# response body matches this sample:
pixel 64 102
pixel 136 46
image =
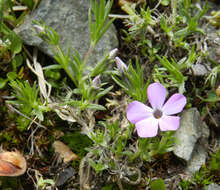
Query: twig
pixel 212 118
pixel 32 141
pixel 118 16
pixel 28 53
pixel 28 173
pixel 157 5
pixel 119 183
pixel 18 112
pixel 84 176
pixel 136 171
pixel 89 52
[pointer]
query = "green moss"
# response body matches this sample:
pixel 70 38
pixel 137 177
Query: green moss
pixel 9 183
pixel 77 143
pixel 109 187
pixel 8 137
pixel 214 163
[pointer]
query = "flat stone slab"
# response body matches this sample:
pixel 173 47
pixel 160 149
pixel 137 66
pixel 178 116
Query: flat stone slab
pixel 188 134
pixel 198 159
pixel 69 18
pixel 199 155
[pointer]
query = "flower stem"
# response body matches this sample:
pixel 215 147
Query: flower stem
pixel 89 52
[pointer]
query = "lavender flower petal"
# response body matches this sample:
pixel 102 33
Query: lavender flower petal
pixel 174 104
pixel 137 111
pixel 147 127
pixel 169 123
pixel 156 95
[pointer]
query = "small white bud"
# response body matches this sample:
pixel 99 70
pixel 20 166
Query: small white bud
pixel 38 28
pixel 96 81
pixel 121 65
pixel 113 53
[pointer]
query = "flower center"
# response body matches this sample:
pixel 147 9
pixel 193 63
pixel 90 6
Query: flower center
pixel 157 114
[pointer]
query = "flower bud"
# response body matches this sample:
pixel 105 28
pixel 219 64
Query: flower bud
pixel 96 82
pixel 38 29
pixel 121 65
pixel 113 53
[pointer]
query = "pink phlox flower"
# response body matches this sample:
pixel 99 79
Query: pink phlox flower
pixel 147 119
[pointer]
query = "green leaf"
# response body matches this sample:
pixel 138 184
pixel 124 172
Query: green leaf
pixel 2 3
pixel 165 2
pixel 99 26
pixel 96 107
pixel 163 24
pixel 172 68
pixel 211 97
pixel 214 163
pixel 100 67
pixel 29 3
pixel 53 36
pixel 39 114
pixel 103 92
pixel 17 61
pixel 98 167
pixel 203 12
pixel 3 82
pixel 104 29
pixel 27 98
pixel 55 66
pixel 53 74
pixel 16 43
pixel 191 59
pixel 91 26
pixel 11 76
pixel 120 83
pixel 41 182
pixel 157 184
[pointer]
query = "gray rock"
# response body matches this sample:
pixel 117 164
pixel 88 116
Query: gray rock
pixel 193 140
pixel 200 70
pixel 64 175
pixel 212 186
pixel 199 154
pixel 69 18
pixel 197 160
pixel 188 134
pixel 209 42
pixel 205 132
pixel 213 40
pixel 212 37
